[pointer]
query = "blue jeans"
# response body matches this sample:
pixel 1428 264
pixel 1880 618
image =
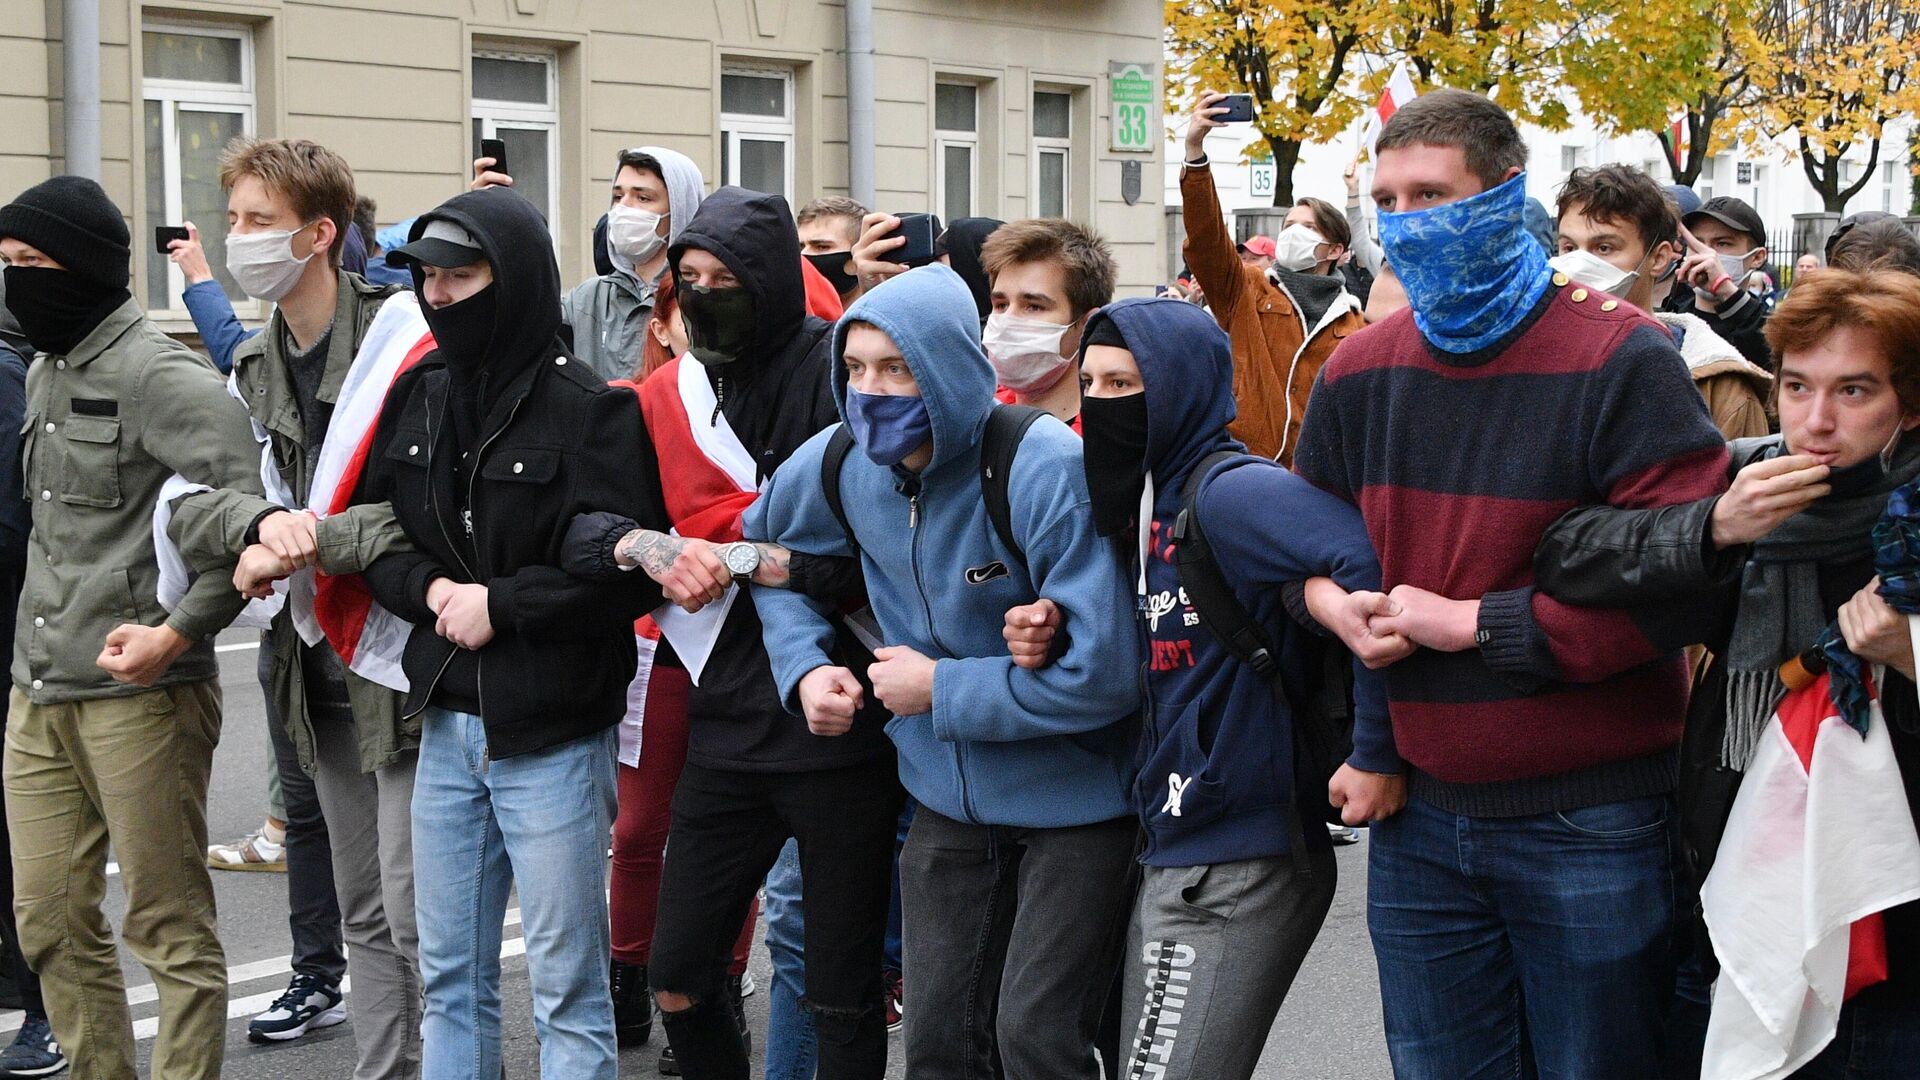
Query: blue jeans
pixel 1530 946
pixel 480 826
pixel 793 1048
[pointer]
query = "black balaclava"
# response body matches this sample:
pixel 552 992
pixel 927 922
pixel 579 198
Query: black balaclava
pixel 71 221
pixel 1115 455
pixel 720 322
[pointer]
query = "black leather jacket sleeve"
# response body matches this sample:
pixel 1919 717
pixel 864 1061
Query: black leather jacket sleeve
pixel 1602 556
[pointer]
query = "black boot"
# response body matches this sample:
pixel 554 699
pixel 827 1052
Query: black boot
pixel 739 1002
pixel 632 1004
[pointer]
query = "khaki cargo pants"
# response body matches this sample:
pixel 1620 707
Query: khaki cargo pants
pixel 131 771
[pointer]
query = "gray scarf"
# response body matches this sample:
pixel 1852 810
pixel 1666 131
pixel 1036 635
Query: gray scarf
pixel 1781 613
pixel 1312 293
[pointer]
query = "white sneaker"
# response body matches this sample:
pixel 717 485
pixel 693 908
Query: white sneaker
pixel 255 851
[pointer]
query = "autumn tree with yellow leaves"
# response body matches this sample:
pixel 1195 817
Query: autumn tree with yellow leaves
pixel 1832 73
pixel 1296 57
pixel 1649 66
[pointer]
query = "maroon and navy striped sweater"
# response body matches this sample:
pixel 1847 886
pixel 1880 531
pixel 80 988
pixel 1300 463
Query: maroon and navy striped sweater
pixel 1458 463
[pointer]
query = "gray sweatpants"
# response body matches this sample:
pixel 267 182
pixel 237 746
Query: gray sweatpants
pixel 370 823
pixel 1215 949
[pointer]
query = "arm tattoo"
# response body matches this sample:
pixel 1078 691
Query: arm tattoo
pixel 652 551
pixel 772 571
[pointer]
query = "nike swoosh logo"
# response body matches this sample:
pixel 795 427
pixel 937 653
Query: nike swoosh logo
pixel 980 575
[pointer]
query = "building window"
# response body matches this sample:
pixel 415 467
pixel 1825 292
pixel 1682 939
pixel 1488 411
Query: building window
pixel 1052 152
pixel 516 99
pixel 1891 172
pixel 197 92
pixel 756 130
pixel 1572 157
pixel 956 148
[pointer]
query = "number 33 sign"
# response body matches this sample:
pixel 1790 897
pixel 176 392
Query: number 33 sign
pixel 1133 115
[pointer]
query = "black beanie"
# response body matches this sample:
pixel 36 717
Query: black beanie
pixel 71 219
pixel 1105 332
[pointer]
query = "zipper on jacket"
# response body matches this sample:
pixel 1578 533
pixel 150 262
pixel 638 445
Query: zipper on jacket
pixel 926 606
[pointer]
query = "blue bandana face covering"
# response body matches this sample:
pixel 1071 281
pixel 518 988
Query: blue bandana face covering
pixel 888 426
pixel 1471 271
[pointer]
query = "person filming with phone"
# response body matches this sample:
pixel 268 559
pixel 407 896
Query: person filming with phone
pixel 1284 318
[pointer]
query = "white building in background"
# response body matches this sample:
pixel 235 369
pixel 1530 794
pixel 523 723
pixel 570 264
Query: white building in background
pixel 1765 176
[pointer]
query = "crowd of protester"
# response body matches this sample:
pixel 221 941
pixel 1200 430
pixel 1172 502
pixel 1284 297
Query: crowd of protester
pixel 1025 651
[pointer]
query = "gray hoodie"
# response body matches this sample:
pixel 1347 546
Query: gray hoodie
pixel 609 314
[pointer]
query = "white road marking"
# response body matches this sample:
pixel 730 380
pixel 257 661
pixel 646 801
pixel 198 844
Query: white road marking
pixel 241 974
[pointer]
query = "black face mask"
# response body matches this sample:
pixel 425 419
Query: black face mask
pixel 720 322
pixel 464 330
pixel 833 267
pixel 1115 454
pixel 57 309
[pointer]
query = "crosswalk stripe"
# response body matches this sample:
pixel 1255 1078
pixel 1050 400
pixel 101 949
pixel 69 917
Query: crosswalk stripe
pixel 241 974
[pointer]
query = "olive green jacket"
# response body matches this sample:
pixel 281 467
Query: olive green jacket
pixel 212 532
pixel 107 424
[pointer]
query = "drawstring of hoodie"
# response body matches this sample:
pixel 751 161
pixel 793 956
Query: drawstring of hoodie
pixel 1144 529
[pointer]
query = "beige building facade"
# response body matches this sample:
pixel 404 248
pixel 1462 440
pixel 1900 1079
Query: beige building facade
pixel 992 107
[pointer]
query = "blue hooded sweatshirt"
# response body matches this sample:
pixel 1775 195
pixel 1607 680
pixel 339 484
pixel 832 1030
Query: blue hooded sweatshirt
pixel 1002 746
pixel 1216 772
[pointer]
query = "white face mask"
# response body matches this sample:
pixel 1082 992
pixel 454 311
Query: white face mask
pixel 1594 272
pixel 262 263
pixel 1297 248
pixel 1735 266
pixel 1025 353
pixel 634 234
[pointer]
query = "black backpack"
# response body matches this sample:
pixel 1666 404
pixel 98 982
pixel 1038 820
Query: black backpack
pixel 1006 426
pixel 1322 709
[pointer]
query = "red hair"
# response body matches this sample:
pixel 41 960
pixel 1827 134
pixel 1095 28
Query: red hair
pixel 654 355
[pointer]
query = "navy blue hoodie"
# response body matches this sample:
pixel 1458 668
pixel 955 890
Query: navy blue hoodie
pixel 1216 776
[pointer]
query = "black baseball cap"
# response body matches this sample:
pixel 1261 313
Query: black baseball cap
pixel 442 244
pixel 1735 214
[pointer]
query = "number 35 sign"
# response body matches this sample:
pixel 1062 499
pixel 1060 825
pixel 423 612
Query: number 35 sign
pixel 1134 120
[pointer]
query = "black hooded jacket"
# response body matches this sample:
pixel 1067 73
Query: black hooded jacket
pixel 961 244
pixel 554 441
pixel 777 396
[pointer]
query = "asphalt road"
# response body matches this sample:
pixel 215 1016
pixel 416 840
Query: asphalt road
pixel 1328 1030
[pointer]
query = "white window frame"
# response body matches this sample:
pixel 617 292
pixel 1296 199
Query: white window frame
pixel 1052 145
pixel 733 126
pixel 174 95
pixel 1890 173
pixel 495 115
pixel 944 138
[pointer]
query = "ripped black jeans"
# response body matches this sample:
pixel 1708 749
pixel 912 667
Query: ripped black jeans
pixel 728 828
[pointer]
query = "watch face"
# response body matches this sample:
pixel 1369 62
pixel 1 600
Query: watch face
pixel 741 558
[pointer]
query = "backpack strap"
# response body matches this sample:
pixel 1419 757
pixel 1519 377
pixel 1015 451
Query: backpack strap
pixel 839 445
pixel 1207 589
pixel 1006 426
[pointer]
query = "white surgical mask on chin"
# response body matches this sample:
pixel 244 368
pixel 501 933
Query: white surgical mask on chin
pixel 1025 353
pixel 634 234
pixel 1297 248
pixel 262 263
pixel 1594 272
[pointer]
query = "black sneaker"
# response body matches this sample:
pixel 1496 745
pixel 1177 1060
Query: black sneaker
pixel 632 1004
pixel 308 1005
pixel 35 1052
pixel 669 1065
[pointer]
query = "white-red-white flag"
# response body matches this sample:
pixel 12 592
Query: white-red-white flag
pixel 1399 90
pixel 1820 842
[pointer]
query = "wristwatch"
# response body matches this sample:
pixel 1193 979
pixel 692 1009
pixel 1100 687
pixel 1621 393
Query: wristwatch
pixel 742 558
